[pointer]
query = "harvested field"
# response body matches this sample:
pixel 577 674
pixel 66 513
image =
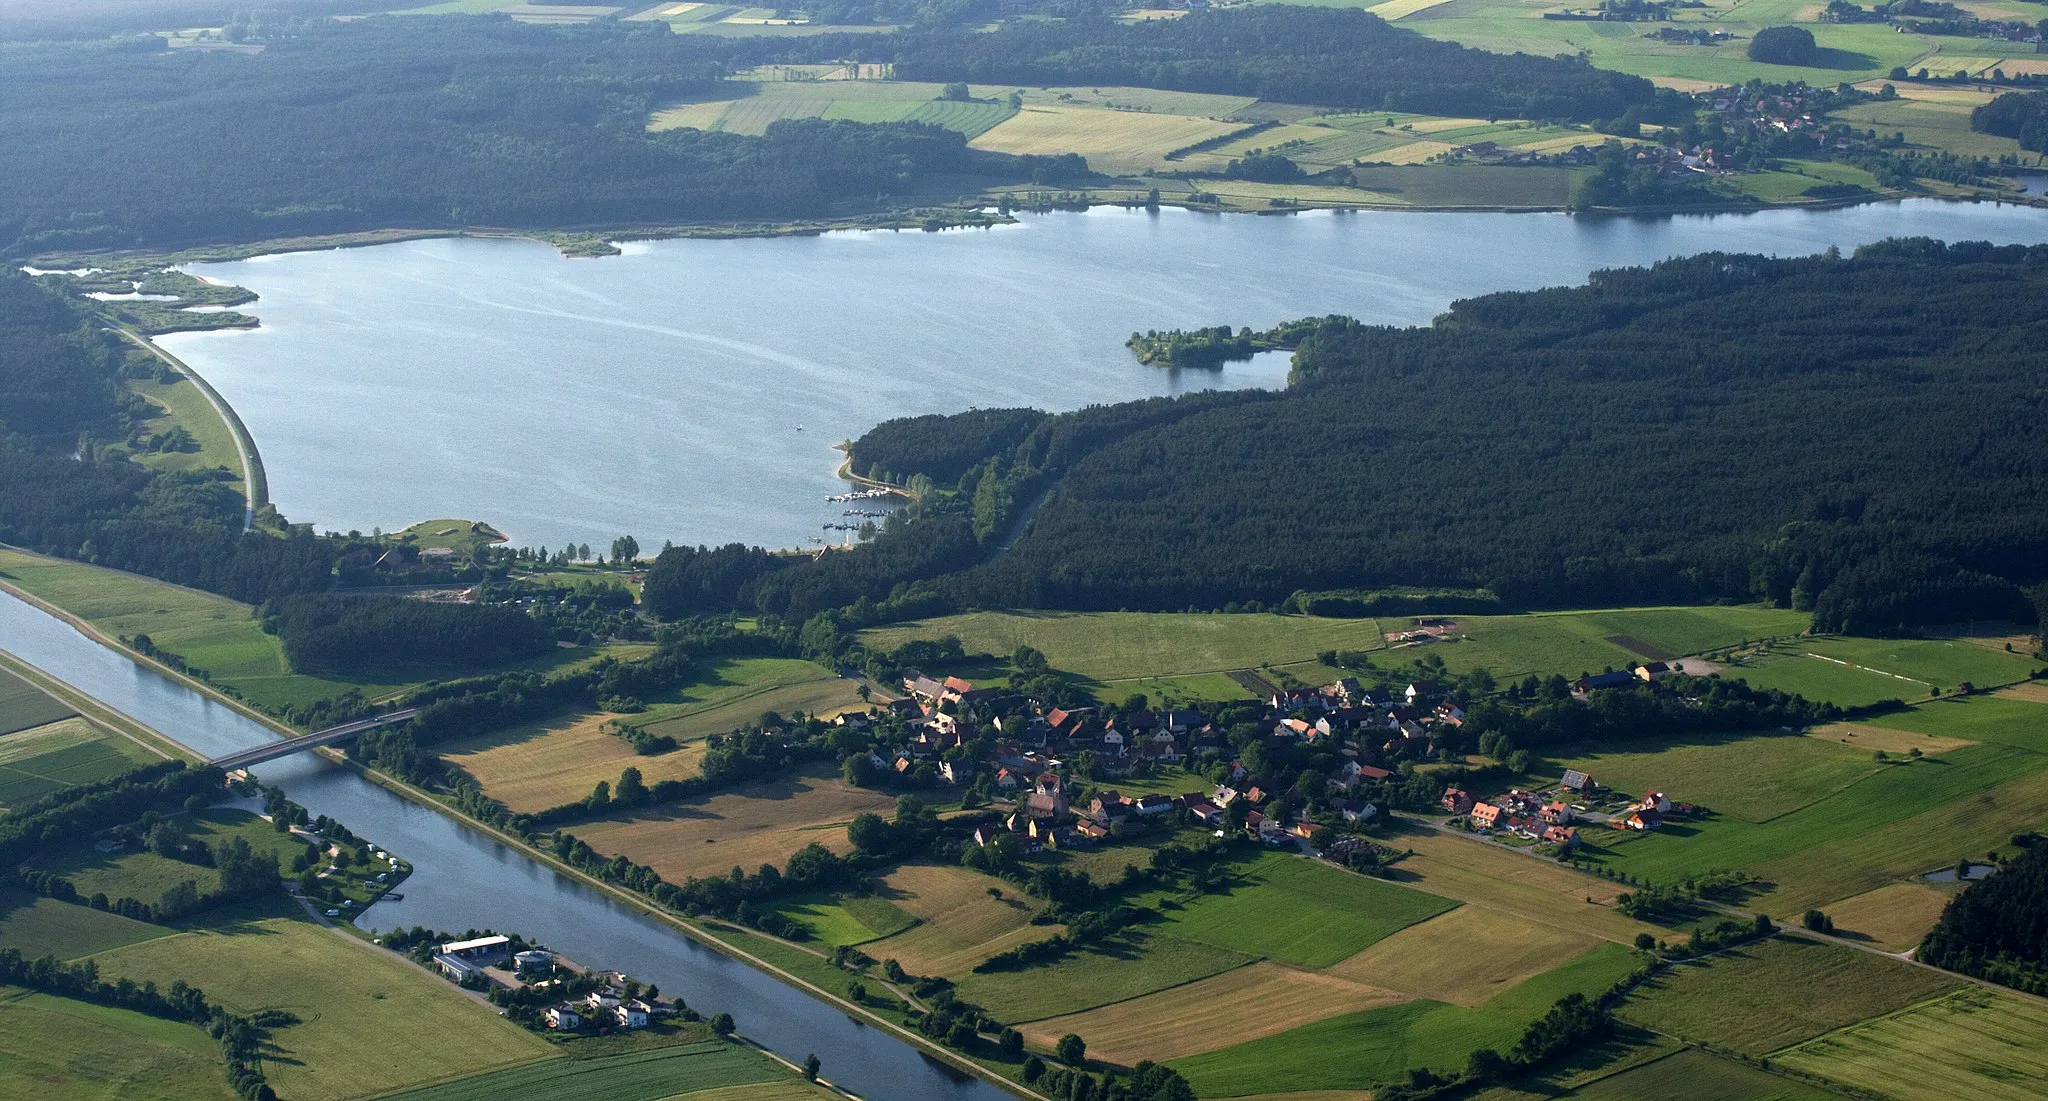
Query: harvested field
pixel 1113 141
pixel 1464 957
pixel 761 823
pixel 2032 691
pixel 960 924
pixel 1870 739
pixel 1698 1076
pixel 1762 997
pixel 1492 878
pixel 1215 1012
pixel 1125 967
pixel 1975 1045
pixel 537 765
pixel 1893 917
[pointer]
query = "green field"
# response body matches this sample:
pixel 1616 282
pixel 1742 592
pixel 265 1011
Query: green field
pixel 1762 997
pixel 370 1023
pixel 638 1076
pixel 1472 185
pixel 1359 1050
pixel 1789 669
pixel 732 692
pixel 143 875
pixel 834 922
pixel 38 927
pixel 1753 778
pixel 1999 720
pixel 185 405
pixel 54 1047
pixel 1694 1075
pixel 1944 663
pixel 851 100
pixel 1303 912
pixel 1929 125
pixel 1974 1045
pixel 35 762
pixel 1126 967
pixel 24 706
pixel 1573 643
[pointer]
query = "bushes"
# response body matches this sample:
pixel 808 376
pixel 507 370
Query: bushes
pixel 1783 46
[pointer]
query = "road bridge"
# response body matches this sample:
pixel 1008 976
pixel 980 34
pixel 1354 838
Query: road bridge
pixel 273 750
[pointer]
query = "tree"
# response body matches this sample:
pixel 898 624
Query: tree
pixel 722 1024
pixel 957 92
pixel 1071 1050
pixel 1034 1069
pixel 1012 1043
pixel 857 992
pixel 624 550
pixel 1818 921
pixel 1485 1065
pixel 811 1065
pixel 1645 942
pixel 632 789
pixel 1783 46
pixel 600 796
pixel 870 834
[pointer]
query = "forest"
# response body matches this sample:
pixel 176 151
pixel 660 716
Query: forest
pixel 339 631
pixel 1855 436
pixel 1326 56
pixel 421 122
pixel 2022 116
pixel 1997 928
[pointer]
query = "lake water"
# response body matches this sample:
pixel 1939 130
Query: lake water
pixel 691 390
pixel 463 879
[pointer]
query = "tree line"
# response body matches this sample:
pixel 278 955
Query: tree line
pixel 1997 928
pixel 345 631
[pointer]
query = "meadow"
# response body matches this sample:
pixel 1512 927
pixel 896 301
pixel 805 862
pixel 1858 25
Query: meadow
pixel 734 692
pixel 23 706
pixel 1996 720
pixel 1127 966
pixel 681 1070
pixel 1358 1050
pixel 1942 663
pixel 1790 669
pixel 1974 1045
pixel 1893 917
pixel 38 926
pixel 833 922
pixel 1775 993
pixel 137 873
pixel 851 100
pixel 1464 957
pixel 1699 1076
pixel 536 765
pixel 184 405
pixel 759 823
pixel 959 922
pixel 1301 911
pixel 1754 778
pixel 56 1047
pixel 35 762
pixel 1572 643
pixel 1511 884
pixel 351 999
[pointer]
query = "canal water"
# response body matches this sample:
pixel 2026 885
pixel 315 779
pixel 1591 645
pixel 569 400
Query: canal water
pixel 691 390
pixel 464 879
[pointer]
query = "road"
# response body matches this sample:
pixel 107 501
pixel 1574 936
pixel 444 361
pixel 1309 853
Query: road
pixel 272 751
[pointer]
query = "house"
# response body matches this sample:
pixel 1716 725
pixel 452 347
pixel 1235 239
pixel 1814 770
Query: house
pixel 955 772
pixel 482 948
pixel 534 963
pixel 1048 807
pixel 1557 814
pixel 1355 811
pixel 1225 795
pixel 1577 781
pixel 923 688
pixel 1653 801
pixel 1089 830
pixel 456 969
pixel 1654 671
pixel 956 688
pixel 1204 810
pixel 1640 820
pixel 564 1016
pixel 1048 783
pixel 1006 779
pixel 1451 711
pixel 1151 806
pixel 633 1013
pixel 1419 691
pixel 1457 801
pixel 1603 680
pixel 1564 837
pixel 1108 808
pixel 1485 815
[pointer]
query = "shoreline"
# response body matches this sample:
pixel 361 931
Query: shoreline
pixel 255 485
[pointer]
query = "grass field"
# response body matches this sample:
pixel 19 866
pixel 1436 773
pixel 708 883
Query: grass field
pixel 23 706
pixel 40 927
pixel 352 1001
pixel 1753 778
pixel 1357 1050
pixel 1893 917
pixel 1118 646
pixel 1464 957
pixel 537 765
pixel 1491 878
pixel 1930 125
pixel 1572 643
pixel 35 762
pixel 835 922
pixel 1789 669
pixel 959 922
pixel 1997 720
pixel 1472 185
pixel 1302 912
pixel 1870 738
pixel 1762 997
pixel 55 1047
pixel 184 405
pixel 1974 1045
pixel 851 100
pixel 143 875
pixel 786 1090
pixel 760 823
pixel 736 691
pixel 1129 966
pixel 1229 1008
pixel 1940 662
pixel 1698 1076
pixel 639 1076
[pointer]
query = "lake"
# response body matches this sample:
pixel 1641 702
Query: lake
pixel 691 390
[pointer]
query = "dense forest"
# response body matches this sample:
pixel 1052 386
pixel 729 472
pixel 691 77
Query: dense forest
pixel 1854 436
pixel 421 122
pixel 1327 56
pixel 338 631
pixel 1998 927
pixel 2022 116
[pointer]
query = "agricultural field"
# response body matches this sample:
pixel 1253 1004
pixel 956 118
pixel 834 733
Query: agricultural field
pixel 1471 186
pixel 1871 738
pixel 536 765
pixel 1790 669
pixel 759 823
pixel 1126 967
pixel 1115 142
pixel 959 922
pixel 1355 1051
pixel 1232 1007
pixel 1776 993
pixel 351 999
pixel 23 706
pixel 1996 720
pixel 851 100
pixel 57 1047
pixel 1572 643
pixel 1698 1076
pixel 1301 911
pixel 834 922
pixel 1893 917
pixel 1464 957
pixel 1511 884
pixel 1122 646
pixel 1753 778
pixel 1942 663
pixel 38 927
pixel 679 1071
pixel 35 762
pixel 1930 124
pixel 738 691
pixel 1974 1045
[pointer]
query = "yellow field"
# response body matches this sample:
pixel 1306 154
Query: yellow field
pixel 747 827
pixel 1894 917
pixel 1465 956
pixel 369 1023
pixel 699 116
pixel 1414 153
pixel 1216 1012
pixel 1401 9
pixel 1504 881
pixel 2032 691
pixel 1974 1045
pixel 1113 141
pixel 1874 738
pixel 959 923
pixel 537 765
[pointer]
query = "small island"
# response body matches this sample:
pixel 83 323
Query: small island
pixel 1213 347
